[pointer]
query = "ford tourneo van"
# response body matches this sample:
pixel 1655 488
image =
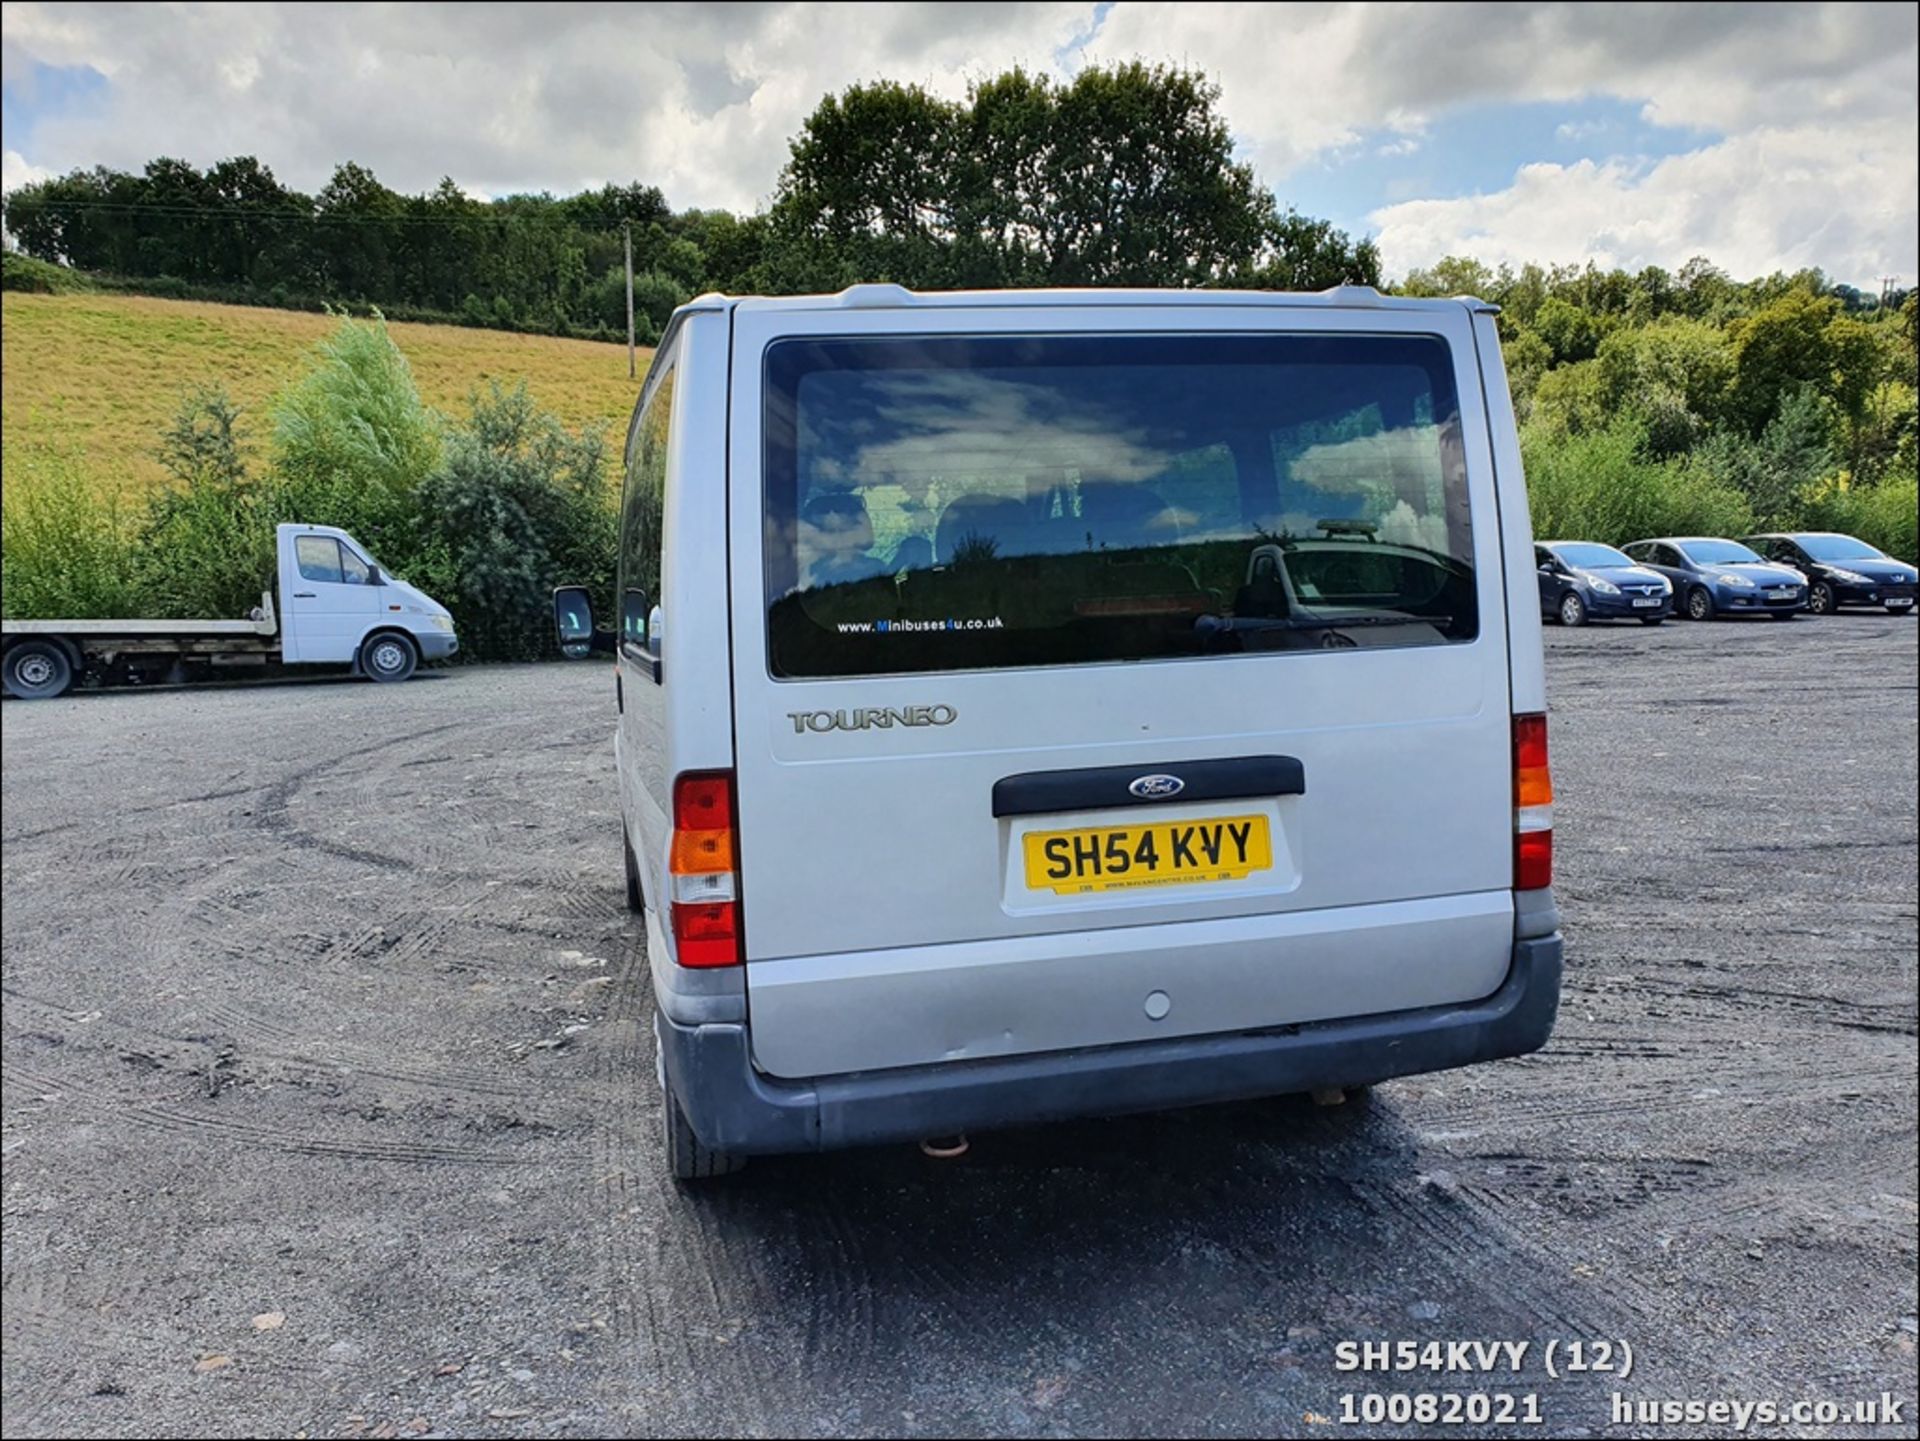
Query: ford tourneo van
pixel 1044 704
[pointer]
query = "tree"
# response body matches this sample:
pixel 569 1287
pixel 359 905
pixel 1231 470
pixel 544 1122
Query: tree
pixel 1120 177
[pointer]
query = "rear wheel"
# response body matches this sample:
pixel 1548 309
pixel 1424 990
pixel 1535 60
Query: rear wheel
pixel 1573 610
pixel 1699 604
pixel 38 670
pixel 389 657
pixel 1820 599
pixel 687 1159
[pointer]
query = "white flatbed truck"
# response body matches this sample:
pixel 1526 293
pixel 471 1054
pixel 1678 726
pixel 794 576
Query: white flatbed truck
pixel 338 608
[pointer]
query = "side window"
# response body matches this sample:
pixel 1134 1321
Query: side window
pixel 318 557
pixel 633 616
pixel 353 569
pixel 642 517
pixel 1672 555
pixel 1542 557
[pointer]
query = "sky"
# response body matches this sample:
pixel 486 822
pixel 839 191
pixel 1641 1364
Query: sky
pixel 1766 137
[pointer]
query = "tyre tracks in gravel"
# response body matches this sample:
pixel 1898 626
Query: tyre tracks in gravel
pixel 349 1009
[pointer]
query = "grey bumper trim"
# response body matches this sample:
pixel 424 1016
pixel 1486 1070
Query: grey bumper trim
pixel 734 1108
pixel 436 644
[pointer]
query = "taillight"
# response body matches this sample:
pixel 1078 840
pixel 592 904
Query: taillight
pixel 705 909
pixel 1532 805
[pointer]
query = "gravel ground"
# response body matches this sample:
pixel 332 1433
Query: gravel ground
pixel 329 1103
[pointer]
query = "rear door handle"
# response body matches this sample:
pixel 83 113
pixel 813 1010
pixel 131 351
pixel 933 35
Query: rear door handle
pixel 1107 787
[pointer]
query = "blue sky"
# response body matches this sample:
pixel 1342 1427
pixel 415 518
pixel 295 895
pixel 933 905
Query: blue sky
pixel 1765 136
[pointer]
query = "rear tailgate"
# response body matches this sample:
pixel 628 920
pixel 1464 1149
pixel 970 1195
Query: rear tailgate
pixel 1111 671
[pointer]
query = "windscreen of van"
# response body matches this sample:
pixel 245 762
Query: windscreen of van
pixel 965 503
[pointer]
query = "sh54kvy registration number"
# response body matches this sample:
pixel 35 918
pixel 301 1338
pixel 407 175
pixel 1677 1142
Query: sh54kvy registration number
pixel 1160 853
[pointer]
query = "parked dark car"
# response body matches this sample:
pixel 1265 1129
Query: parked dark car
pixel 1713 576
pixel 1581 580
pixel 1841 570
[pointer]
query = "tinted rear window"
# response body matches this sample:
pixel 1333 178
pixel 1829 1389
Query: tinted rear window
pixel 964 503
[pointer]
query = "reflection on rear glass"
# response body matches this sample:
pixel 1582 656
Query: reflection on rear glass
pixel 959 504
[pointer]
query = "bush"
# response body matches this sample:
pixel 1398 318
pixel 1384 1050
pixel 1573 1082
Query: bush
pixel 206 548
pixel 353 441
pixel 518 506
pixel 1601 486
pixel 66 551
pixel 1886 515
pixel 23 272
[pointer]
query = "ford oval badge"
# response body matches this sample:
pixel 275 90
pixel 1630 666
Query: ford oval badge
pixel 1156 788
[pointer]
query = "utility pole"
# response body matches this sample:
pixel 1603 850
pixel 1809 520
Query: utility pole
pixel 1886 287
pixel 626 232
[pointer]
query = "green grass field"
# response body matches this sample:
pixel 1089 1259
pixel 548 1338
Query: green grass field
pixel 95 377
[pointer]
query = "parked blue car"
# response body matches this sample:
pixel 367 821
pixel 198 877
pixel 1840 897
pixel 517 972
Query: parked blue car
pixel 1580 580
pixel 1712 576
pixel 1841 570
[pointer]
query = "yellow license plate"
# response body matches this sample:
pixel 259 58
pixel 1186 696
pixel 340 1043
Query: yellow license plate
pixel 1163 853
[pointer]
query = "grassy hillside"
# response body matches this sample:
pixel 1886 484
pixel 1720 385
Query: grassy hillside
pixel 96 376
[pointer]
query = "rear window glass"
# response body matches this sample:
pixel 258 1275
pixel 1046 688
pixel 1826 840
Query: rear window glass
pixel 968 503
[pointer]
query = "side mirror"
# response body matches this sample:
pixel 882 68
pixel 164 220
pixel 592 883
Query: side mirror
pixel 374 577
pixel 573 622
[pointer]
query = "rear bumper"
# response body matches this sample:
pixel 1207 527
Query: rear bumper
pixel 736 1109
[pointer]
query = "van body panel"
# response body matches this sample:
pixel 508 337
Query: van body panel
pixel 875 874
pixel 1055 992
pixel 1527 661
pixel 675 702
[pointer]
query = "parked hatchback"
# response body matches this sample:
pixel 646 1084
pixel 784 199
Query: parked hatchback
pixel 1580 580
pixel 1841 570
pixel 1061 702
pixel 1712 576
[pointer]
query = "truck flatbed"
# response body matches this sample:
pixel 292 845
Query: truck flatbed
pixel 263 622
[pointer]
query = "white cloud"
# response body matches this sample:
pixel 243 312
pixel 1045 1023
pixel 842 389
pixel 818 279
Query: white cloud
pixel 1842 198
pixel 15 172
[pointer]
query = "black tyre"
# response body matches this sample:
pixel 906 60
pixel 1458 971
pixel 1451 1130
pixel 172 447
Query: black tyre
pixel 1820 599
pixel 388 657
pixel 687 1159
pixel 1651 619
pixel 1699 604
pixel 38 670
pixel 1573 610
pixel 636 902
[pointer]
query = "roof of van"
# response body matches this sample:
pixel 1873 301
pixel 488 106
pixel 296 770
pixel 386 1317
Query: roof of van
pixel 898 297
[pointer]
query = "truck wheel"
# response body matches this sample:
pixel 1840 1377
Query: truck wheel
pixel 38 670
pixel 687 1159
pixel 388 657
